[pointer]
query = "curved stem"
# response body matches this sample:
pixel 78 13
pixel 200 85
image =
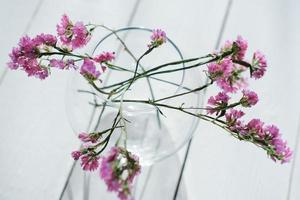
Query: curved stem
pixel 184 93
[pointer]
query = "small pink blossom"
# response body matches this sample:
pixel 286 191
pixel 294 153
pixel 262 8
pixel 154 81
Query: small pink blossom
pixel 76 155
pixel 227 46
pixel 259 65
pixel 26 55
pixel 249 98
pixel 243 45
pixel 84 137
pixel 158 37
pixel 62 64
pixel 233 115
pixel 220 70
pixel 88 70
pixel 118 169
pixel 234 81
pixel 46 39
pixel 233 122
pixel 105 57
pixel 227 75
pixel 75 36
pixel 89 163
pixel 81 35
pixel 217 103
pixel 57 63
pixel 272 131
pixel 282 150
pixel 255 127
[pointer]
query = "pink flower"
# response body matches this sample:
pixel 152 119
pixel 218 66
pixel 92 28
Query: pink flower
pixel 227 75
pixel 76 155
pixel 233 122
pixel 84 137
pixel 259 65
pixel 89 163
pixel 158 37
pixel 88 70
pixel 217 103
pixel 105 57
pixel 118 169
pixel 75 36
pixel 233 115
pixel 282 150
pixel 81 35
pixel 57 63
pixel 249 98
pixel 46 39
pixel 220 98
pixel 220 70
pixel 61 64
pixel 287 155
pixel 243 45
pixel 272 131
pixel 226 86
pixel 26 55
pixel 227 46
pixel 255 127
pixel 234 81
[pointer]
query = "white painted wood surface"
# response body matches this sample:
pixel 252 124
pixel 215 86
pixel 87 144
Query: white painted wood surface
pixel 35 135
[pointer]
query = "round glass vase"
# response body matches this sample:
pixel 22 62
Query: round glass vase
pixel 152 132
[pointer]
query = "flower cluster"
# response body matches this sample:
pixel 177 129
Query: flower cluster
pixel 26 55
pixel 268 136
pixel 118 170
pixel 255 131
pixel 104 58
pixel 249 98
pixel 62 64
pixel 32 54
pixel 75 36
pixel 158 37
pixel 88 70
pixel 89 158
pixel 259 65
pixel 217 103
pixel 227 73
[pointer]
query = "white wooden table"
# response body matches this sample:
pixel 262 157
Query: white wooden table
pixel 36 139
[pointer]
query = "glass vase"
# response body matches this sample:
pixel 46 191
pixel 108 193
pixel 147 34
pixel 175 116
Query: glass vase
pixel 152 133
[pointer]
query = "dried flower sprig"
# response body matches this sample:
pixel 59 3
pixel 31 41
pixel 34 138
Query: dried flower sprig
pixel 226 69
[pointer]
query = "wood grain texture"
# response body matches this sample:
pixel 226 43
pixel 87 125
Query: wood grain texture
pixel 35 135
pixel 221 167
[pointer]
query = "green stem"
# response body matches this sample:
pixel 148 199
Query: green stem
pixel 184 93
pixel 137 65
pixel 114 67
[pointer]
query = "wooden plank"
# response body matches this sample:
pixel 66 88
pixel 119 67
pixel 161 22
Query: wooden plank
pixel 38 139
pixel 294 183
pixel 292 45
pixel 221 167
